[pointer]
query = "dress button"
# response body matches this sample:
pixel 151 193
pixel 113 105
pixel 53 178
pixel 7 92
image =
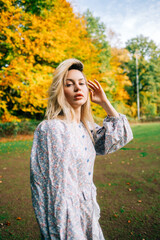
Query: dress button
pixel 85 148
pixel 83 136
pixel 89 173
pixel 87 160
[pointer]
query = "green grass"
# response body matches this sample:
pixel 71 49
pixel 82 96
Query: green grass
pixel 128 187
pixel 127 184
pixel 15 147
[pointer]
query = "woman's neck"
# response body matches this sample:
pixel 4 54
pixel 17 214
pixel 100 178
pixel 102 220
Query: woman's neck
pixel 77 114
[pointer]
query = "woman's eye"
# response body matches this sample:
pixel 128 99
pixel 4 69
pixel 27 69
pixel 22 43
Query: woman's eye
pixel 82 83
pixel 69 84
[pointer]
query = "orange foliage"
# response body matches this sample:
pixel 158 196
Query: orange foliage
pixel 35 45
pixel 39 44
pixel 119 56
pixel 117 80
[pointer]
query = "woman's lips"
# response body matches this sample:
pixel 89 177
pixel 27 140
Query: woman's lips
pixel 78 96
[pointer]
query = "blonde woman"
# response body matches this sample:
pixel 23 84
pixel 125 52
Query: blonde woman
pixel 63 155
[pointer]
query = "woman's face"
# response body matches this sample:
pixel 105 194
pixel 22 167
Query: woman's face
pixel 75 88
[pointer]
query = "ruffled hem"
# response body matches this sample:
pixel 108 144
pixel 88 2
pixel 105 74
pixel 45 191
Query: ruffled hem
pixel 96 229
pixel 96 216
pixel 113 118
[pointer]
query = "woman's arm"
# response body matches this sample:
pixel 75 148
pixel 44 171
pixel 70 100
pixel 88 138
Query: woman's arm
pixel 47 178
pixel 116 131
pixel 115 134
pixel 98 96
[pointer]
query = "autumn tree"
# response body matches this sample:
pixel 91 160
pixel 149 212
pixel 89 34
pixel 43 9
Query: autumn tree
pixel 119 80
pixel 112 75
pixel 35 37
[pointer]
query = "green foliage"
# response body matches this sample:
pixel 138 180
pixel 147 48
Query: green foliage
pixel 145 47
pixel 96 31
pixel 95 28
pixel 14 128
pixel 35 6
pixel 148 55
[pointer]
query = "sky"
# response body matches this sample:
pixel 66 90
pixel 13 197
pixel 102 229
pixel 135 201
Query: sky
pixel 126 18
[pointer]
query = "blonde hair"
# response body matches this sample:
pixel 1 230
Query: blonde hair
pixel 57 103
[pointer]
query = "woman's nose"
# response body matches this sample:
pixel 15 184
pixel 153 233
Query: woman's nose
pixel 77 87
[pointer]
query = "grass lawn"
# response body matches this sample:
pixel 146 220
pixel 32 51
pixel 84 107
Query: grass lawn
pixel 128 187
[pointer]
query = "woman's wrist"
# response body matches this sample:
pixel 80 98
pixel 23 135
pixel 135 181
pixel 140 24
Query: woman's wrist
pixel 110 110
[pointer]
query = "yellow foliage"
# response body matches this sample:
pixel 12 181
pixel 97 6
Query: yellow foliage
pixel 7 117
pixel 119 56
pixel 37 45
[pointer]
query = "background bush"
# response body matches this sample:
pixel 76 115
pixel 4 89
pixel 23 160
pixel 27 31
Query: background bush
pixel 14 128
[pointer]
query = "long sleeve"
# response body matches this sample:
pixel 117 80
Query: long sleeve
pixel 113 135
pixel 47 178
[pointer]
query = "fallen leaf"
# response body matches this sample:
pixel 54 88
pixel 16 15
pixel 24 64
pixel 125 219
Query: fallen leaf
pixel 128 183
pixel 129 189
pixel 139 201
pixel 7 223
pixel 129 221
pixel 0 181
pixel 18 218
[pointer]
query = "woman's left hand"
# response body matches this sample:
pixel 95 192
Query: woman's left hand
pixel 97 93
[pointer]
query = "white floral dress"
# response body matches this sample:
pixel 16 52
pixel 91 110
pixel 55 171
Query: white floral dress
pixel 62 162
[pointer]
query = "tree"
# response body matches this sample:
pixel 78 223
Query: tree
pixel 35 38
pixel 149 74
pixel 96 32
pixel 118 80
pixel 112 76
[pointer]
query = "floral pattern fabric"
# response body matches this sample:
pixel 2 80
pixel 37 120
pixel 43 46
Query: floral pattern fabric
pixel 61 175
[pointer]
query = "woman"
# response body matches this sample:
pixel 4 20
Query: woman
pixel 63 154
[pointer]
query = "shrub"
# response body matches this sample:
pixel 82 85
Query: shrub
pixel 14 128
